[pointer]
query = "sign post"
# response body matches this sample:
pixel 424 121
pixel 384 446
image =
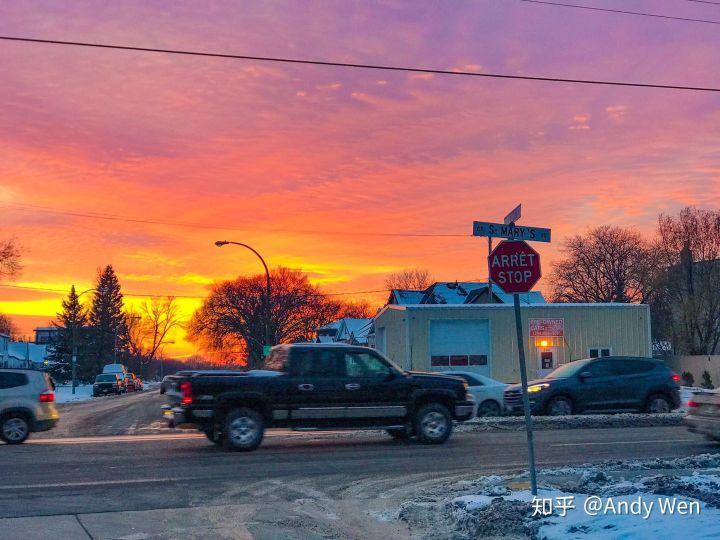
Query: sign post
pixel 515 267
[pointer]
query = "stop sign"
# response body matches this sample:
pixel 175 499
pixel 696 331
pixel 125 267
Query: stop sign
pixel 514 266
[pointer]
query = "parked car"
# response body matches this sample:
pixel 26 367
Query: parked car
pixel 488 393
pixel 27 404
pixel 139 385
pixel 703 415
pixel 607 384
pixel 107 383
pixel 130 382
pixel 320 386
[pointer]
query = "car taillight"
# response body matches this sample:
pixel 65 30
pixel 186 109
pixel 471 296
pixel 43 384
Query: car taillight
pixel 675 377
pixel 692 404
pixel 47 397
pixel 186 389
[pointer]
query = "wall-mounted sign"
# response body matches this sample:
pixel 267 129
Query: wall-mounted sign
pixel 547 327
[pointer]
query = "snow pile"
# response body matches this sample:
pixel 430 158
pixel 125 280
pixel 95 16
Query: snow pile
pixel 63 394
pixel 635 505
pixel 584 421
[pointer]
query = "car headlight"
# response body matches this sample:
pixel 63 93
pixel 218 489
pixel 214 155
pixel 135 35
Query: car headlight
pixel 537 388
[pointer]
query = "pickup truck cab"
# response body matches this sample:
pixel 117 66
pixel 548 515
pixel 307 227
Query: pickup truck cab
pixel 320 386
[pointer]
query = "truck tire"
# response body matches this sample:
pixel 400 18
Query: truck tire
pixel 14 428
pixel 432 423
pixel 243 430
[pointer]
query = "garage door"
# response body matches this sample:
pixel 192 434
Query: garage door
pixel 460 344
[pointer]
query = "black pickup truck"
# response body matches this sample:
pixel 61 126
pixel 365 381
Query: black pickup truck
pixel 318 386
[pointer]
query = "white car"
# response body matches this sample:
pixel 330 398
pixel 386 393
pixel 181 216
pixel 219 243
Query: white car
pixel 488 393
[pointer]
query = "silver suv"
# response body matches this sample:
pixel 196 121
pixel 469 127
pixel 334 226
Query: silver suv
pixel 27 404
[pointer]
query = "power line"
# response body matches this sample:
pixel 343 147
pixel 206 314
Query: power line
pixel 376 66
pixel 145 221
pixel 194 297
pixel 704 2
pixel 622 11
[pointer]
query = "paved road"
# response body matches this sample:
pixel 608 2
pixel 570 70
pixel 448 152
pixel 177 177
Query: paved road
pixel 296 485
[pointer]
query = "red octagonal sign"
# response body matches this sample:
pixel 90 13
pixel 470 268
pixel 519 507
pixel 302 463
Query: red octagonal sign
pixel 514 266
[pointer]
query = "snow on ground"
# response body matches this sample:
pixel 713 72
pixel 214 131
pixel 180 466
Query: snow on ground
pixel 580 421
pixel 630 500
pixel 63 394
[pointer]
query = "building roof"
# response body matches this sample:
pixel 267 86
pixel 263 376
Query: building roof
pixel 468 292
pixel 405 296
pixel 615 305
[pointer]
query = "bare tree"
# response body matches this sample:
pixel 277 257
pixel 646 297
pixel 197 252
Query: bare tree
pixel 149 327
pixel 355 310
pixel 8 327
pixel 233 316
pixel 608 264
pixel 688 306
pixel 412 279
pixel 10 266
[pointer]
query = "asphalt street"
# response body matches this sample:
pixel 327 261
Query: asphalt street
pixel 296 485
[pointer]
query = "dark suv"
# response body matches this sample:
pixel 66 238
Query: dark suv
pixel 608 384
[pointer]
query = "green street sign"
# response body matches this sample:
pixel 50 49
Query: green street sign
pixel 266 350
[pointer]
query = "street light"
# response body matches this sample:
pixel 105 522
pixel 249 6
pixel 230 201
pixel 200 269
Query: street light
pixel 221 243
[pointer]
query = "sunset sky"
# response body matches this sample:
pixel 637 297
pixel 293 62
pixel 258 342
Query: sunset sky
pixel 318 167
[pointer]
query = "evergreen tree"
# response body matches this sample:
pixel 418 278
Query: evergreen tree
pixel 108 333
pixel 72 328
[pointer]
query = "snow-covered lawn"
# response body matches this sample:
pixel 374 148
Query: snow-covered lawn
pixel 63 394
pixel 629 500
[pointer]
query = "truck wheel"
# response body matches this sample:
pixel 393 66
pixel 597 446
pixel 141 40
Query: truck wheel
pixel 243 430
pixel 433 424
pixel 14 428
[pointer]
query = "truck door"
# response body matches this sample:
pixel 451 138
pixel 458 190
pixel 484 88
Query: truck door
pixel 373 392
pixel 314 390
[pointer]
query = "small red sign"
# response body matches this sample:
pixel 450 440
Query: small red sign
pixel 547 327
pixel 514 266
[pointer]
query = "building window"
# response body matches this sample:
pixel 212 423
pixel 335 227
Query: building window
pixel 440 360
pixel 599 352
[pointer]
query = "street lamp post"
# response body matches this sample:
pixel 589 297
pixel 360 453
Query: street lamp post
pixel 221 243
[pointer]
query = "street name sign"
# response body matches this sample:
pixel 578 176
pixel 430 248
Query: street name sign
pixel 510 232
pixel 513 216
pixel 515 266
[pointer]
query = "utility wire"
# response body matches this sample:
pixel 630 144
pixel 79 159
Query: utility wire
pixel 375 66
pixel 194 297
pixel 704 2
pixel 113 217
pixel 622 11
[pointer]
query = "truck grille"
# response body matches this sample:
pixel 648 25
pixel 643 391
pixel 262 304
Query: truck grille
pixel 513 398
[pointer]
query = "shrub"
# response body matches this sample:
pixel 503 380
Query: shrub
pixel 707 381
pixel 688 379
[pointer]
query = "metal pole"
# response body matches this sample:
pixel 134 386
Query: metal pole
pixel 526 399
pixel 490 287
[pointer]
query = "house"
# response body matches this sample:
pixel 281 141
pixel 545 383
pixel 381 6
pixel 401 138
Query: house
pixel 453 293
pixel 347 330
pixel 45 335
pixel 4 342
pixel 23 354
pixel 482 337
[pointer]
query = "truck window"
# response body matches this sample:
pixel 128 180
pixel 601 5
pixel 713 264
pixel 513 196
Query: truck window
pixel 277 361
pixel 360 364
pixel 315 363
